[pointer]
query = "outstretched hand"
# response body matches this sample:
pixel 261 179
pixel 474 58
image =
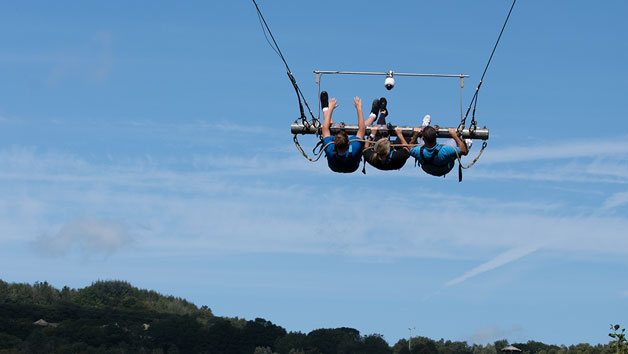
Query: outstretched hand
pixel 332 103
pixel 357 102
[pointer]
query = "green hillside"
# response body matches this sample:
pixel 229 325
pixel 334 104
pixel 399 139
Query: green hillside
pixel 115 317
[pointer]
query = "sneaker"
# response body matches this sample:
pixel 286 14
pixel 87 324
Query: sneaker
pixel 426 120
pixel 375 107
pixel 469 143
pixel 324 100
pixel 382 106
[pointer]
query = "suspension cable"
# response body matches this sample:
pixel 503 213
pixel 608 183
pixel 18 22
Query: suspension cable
pixel 475 95
pixel 275 48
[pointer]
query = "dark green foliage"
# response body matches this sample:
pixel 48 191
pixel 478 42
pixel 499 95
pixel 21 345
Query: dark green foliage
pixel 8 341
pixel 536 347
pixel 291 341
pixel 114 317
pixel 619 345
pixel 375 344
pixel 423 345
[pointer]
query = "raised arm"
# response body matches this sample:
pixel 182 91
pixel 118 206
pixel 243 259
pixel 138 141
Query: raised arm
pixel 357 102
pixel 327 118
pixel 401 138
pixel 371 137
pixel 415 135
pixel 461 145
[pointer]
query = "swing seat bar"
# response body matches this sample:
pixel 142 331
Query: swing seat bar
pixel 407 131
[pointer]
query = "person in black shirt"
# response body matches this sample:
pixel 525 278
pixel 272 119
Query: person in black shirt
pixel 384 157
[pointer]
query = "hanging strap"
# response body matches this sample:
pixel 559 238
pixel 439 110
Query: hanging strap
pixel 429 161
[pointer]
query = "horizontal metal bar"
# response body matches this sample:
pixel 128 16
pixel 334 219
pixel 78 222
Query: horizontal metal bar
pixel 407 131
pixel 385 74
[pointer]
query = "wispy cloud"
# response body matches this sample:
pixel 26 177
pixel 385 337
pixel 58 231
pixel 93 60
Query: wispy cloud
pixel 502 259
pixel 88 235
pixel 222 205
pixel 610 171
pixel 490 334
pixel 616 200
pixel 617 146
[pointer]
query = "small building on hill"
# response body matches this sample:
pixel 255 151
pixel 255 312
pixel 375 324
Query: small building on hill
pixel 511 350
pixel 43 323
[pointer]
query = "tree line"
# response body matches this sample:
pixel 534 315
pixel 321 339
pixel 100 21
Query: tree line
pixel 115 317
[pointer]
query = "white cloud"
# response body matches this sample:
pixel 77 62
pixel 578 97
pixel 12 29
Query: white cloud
pixel 597 171
pixel 487 335
pixel 558 150
pixel 616 200
pixel 231 205
pixel 502 259
pixel 88 235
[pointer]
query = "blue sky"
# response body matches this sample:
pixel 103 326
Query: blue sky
pixel 150 142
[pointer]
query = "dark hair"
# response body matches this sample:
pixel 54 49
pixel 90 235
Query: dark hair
pixel 341 140
pixel 429 135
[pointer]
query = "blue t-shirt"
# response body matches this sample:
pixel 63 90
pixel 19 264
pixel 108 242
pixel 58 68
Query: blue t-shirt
pixel 347 162
pixel 443 162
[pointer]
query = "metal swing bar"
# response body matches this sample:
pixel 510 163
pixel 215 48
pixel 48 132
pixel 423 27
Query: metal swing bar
pixel 407 131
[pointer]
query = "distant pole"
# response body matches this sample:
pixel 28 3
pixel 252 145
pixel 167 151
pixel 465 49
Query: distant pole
pixel 410 339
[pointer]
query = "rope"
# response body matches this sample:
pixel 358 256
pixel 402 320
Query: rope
pixel 275 48
pixel 475 95
pixel 296 142
pixel 484 143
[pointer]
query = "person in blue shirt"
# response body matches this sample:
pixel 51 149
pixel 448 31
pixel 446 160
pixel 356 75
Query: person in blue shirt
pixel 343 152
pixel 437 159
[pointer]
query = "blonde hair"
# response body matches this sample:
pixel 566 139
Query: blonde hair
pixel 382 149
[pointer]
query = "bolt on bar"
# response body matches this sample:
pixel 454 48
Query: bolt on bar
pixel 407 131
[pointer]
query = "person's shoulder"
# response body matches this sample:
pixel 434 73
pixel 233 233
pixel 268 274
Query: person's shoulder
pixel 328 139
pixel 355 141
pixel 448 149
pixel 415 150
pixel 401 153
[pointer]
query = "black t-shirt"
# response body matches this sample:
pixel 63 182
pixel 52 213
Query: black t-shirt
pixel 396 159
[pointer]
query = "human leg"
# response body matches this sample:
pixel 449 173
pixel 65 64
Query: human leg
pixel 325 106
pixel 374 112
pixel 383 111
pixel 426 121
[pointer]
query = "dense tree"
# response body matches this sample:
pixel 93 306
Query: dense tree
pixel 115 317
pixel 375 344
pixel 423 345
pixel 334 341
pixel 291 342
pixel 401 347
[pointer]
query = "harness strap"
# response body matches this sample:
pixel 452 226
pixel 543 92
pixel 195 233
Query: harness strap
pixel 389 158
pixel 429 161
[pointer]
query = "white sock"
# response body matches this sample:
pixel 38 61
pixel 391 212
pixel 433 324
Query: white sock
pixel 372 115
pixel 325 109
